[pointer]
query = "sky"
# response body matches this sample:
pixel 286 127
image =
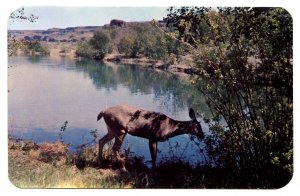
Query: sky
pixel 62 17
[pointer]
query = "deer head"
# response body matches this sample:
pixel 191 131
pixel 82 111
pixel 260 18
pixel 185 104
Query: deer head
pixel 194 126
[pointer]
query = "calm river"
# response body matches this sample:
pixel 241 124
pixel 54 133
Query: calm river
pixel 46 92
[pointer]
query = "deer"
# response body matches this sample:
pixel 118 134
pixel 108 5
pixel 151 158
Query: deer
pixel 154 126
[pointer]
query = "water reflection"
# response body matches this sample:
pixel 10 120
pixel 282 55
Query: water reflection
pixel 173 92
pixel 46 92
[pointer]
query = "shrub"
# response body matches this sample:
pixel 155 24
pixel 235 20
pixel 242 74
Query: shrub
pixel 97 47
pixel 254 99
pixel 126 46
pixel 100 42
pixel 36 48
pixel 83 49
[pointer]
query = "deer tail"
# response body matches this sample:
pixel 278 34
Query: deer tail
pixel 99 115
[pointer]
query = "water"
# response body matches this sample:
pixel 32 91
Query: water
pixel 45 92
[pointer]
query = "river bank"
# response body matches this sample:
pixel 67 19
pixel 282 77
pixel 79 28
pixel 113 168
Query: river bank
pixel 176 65
pixel 183 66
pixel 50 165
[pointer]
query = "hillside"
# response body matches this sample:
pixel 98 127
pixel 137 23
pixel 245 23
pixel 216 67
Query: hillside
pixel 66 39
pixel 74 34
pixel 63 42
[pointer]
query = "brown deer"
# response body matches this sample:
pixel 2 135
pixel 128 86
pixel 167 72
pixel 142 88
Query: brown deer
pixel 157 127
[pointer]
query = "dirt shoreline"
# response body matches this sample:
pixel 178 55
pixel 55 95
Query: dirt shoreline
pixel 149 63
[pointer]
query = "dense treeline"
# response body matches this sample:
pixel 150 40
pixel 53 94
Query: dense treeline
pixel 151 43
pixel 139 40
pixel 244 57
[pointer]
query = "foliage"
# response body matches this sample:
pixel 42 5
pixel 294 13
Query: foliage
pixel 83 49
pixel 35 48
pixel 51 165
pixel 100 43
pixel 97 47
pixel 244 58
pixel 127 46
pixel 18 15
pixel 62 130
pixel 113 33
pixel 151 43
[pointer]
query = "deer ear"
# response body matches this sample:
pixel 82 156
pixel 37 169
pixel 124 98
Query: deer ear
pixel 192 114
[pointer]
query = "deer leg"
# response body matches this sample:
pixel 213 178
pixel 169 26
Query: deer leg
pixel 116 148
pixel 118 142
pixel 153 151
pixel 102 142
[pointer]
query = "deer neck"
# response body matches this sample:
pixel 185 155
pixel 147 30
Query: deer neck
pixel 179 128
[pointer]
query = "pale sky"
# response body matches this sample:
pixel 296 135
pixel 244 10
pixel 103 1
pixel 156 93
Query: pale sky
pixel 62 17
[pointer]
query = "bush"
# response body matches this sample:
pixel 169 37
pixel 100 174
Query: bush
pixel 100 42
pixel 97 47
pixel 83 49
pixel 36 48
pixel 126 46
pixel 255 99
pixel 149 43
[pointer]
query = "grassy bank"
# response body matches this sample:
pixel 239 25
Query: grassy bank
pixel 50 165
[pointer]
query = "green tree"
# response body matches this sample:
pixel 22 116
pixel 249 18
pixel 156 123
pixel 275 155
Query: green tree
pixel 96 47
pixel 100 42
pixel 126 46
pixel 83 49
pixel 149 42
pixel 244 61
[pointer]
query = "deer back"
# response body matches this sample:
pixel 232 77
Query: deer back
pixel 117 117
pixel 150 125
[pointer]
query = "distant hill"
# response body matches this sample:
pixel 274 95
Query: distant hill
pixel 74 34
pixel 56 34
pixel 64 42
